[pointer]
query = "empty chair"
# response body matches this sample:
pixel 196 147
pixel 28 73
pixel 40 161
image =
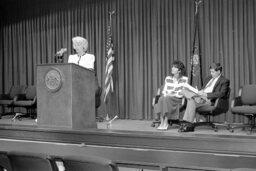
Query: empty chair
pixel 28 101
pixel 6 100
pixel 75 163
pixel 4 162
pixel 24 161
pixel 245 104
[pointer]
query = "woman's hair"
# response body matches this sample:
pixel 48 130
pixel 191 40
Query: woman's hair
pixel 80 42
pixel 180 66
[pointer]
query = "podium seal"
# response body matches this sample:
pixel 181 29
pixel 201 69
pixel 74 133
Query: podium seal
pixel 53 80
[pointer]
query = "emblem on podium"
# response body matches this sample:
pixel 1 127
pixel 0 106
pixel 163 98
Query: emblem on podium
pixel 53 79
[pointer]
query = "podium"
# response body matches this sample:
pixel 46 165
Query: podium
pixel 65 96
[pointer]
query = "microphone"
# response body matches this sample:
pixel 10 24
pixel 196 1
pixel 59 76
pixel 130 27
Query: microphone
pixel 110 122
pixel 113 119
pixel 61 52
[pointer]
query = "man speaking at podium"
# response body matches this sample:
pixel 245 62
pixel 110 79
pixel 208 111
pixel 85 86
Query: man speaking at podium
pixel 85 60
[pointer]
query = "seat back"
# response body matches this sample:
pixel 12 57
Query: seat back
pixel 88 163
pixel 17 89
pixel 4 162
pixel 248 95
pixel 31 92
pixel 225 102
pixel 23 161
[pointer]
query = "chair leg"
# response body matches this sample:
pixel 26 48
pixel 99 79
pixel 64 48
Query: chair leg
pixel 208 122
pixel 252 124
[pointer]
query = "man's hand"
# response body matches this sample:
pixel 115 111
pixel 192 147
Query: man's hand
pixel 203 95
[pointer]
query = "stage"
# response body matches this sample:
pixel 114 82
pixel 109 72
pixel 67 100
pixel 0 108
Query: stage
pixel 127 141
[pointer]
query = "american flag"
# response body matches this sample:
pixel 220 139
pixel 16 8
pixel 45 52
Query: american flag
pixel 109 87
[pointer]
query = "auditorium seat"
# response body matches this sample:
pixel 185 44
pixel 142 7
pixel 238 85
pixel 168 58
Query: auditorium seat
pixel 6 100
pixel 88 163
pixel 24 161
pixel 220 106
pixel 4 162
pixel 245 105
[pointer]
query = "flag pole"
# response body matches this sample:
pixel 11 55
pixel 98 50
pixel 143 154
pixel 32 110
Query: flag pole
pixel 109 60
pixel 196 70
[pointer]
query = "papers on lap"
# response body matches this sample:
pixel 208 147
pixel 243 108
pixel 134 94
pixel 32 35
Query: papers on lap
pixel 193 92
pixel 189 87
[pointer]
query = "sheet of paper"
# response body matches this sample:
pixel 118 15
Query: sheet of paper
pixel 186 85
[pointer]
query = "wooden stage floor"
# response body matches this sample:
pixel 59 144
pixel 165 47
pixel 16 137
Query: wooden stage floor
pixel 129 140
pixel 141 126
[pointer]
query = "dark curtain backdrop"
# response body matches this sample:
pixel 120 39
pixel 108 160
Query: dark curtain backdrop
pixel 148 36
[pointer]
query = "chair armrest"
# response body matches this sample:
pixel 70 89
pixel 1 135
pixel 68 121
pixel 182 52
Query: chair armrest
pixel 236 102
pixel 34 100
pixel 155 100
pixel 158 92
pixel 217 102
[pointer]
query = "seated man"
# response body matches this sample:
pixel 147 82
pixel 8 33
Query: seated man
pixel 215 86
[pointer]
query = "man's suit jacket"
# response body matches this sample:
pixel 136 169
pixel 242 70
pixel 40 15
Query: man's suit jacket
pixel 220 89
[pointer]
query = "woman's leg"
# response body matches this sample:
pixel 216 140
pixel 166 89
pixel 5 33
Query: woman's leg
pixel 164 123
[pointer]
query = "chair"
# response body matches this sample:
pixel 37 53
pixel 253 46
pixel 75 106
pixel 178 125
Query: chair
pixel 181 107
pixel 6 100
pixel 97 97
pixel 4 162
pixel 245 104
pixel 88 163
pixel 24 161
pixel 28 101
pixel 220 106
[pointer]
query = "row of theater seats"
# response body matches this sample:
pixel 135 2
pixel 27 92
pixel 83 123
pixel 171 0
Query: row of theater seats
pixel 24 161
pixel 19 96
pixel 244 104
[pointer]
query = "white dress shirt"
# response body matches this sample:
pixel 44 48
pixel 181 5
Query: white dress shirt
pixel 210 85
pixel 87 60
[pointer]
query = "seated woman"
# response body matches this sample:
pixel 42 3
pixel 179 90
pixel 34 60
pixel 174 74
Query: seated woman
pixel 171 95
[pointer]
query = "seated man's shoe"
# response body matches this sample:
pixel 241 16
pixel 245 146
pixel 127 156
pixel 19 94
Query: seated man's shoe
pixel 187 127
pixel 155 122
